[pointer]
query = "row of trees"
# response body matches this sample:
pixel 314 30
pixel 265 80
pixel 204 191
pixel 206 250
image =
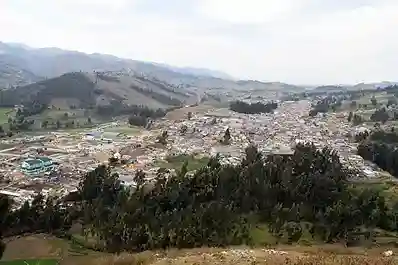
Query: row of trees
pixel 162 98
pixel 68 123
pixel 380 147
pixel 325 105
pixel 218 205
pixel 252 108
pixel 117 108
pixel 356 119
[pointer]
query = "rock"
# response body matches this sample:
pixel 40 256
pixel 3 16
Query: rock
pixel 388 253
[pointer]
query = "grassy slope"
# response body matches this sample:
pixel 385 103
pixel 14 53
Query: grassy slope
pixel 4 114
pixel 68 252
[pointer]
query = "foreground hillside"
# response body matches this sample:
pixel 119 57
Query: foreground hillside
pixel 43 247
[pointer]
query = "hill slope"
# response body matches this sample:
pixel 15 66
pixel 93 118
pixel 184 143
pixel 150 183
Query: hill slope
pixel 85 90
pixel 42 247
pixel 53 62
pixel 12 75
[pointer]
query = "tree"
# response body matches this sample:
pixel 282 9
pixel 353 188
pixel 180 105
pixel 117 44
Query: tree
pixel 380 115
pixel 373 101
pixel 189 115
pixel 139 178
pixel 163 138
pixel 2 248
pixel 138 120
pixel 307 191
pixel 227 137
pixel 350 115
pixel 113 161
pixel 391 102
pixel 89 120
pixel 58 124
pixel 253 108
pixel 183 129
pixel 44 124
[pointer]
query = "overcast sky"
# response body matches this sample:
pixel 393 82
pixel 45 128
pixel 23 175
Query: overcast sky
pixel 296 41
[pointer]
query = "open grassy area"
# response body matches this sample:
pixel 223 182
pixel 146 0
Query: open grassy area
pixel 124 129
pixel 5 113
pixel 386 185
pixel 176 162
pixel 48 249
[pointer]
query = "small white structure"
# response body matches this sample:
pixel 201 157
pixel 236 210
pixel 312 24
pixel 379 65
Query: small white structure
pixel 388 253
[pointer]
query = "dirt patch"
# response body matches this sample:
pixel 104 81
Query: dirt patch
pixel 33 247
pixel 69 253
pixel 237 257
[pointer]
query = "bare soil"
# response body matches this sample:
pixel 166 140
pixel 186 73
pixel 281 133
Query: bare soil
pixel 43 246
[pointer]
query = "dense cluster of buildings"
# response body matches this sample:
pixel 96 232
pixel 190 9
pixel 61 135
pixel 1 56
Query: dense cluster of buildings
pixel 53 163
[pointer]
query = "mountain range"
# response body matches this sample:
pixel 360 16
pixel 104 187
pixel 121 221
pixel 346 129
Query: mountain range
pixel 28 74
pixel 30 64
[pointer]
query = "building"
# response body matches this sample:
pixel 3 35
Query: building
pixel 37 166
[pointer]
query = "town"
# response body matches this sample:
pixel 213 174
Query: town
pixel 53 163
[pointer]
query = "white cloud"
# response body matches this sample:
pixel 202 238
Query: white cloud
pixel 287 40
pixel 248 11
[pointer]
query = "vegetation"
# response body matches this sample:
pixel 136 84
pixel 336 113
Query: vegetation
pixel 380 147
pixel 167 100
pixel 138 120
pixel 357 119
pixel 163 138
pixel 70 85
pixel 226 138
pixel 304 193
pixel 325 105
pixel 380 115
pixel 252 108
pixel 178 161
pixel 117 108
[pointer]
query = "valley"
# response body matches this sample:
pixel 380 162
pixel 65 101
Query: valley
pixel 111 161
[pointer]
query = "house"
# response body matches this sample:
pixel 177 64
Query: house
pixel 37 166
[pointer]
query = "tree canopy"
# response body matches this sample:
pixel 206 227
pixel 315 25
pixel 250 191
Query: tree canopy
pixel 217 205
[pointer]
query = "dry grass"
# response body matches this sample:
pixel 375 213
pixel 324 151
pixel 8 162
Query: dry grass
pixel 239 257
pixel 42 246
pixel 31 247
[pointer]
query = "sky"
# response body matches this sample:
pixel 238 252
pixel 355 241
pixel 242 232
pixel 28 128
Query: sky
pixel 294 41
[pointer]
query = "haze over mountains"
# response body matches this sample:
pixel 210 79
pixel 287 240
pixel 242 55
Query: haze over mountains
pixel 46 71
pixel 133 82
pixel 52 62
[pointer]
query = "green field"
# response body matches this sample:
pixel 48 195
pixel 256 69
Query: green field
pixel 387 186
pixel 176 162
pixel 4 114
pixel 129 130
